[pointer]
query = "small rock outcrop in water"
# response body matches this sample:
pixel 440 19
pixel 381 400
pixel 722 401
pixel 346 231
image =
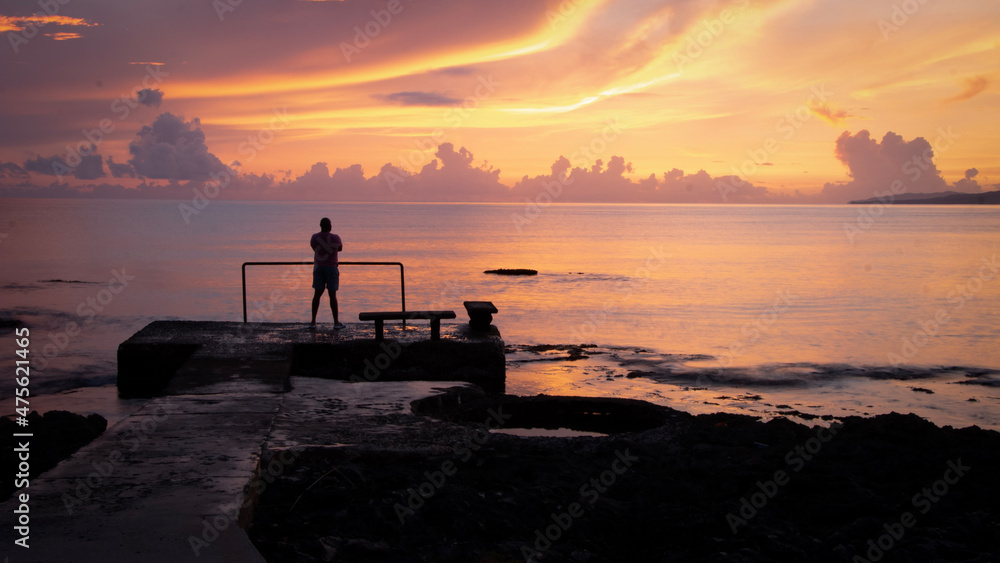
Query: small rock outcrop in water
pixel 10 324
pixel 55 437
pixel 512 272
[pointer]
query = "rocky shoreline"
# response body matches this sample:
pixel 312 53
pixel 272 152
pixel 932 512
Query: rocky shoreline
pixel 663 485
pixel 802 392
pixel 56 435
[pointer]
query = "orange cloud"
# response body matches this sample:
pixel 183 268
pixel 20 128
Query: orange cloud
pixel 63 35
pixel 829 114
pixel 973 86
pixel 18 23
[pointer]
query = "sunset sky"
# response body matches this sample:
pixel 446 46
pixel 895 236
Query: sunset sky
pixel 801 101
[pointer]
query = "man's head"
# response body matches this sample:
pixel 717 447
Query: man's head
pixel 324 225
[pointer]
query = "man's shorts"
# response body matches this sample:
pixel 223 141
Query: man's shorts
pixel 326 276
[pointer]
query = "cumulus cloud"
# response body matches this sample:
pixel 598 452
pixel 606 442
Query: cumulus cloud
pixel 318 173
pixel 873 167
pixel 345 184
pixel 12 170
pixel 969 183
pixel 120 170
pixel 417 99
pixel 453 174
pixel 150 97
pixel 172 146
pixel 456 179
pixel 91 167
pixel 316 180
pixel 88 167
pixel 173 149
pixel 600 183
pixel 47 165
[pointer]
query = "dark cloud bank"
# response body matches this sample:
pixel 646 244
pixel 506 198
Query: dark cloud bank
pixel 174 150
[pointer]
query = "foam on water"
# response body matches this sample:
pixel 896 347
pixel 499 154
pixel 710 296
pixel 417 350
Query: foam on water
pixel 808 393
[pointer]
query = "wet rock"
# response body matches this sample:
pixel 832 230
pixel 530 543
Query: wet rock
pixel 553 352
pixel 593 414
pixel 56 435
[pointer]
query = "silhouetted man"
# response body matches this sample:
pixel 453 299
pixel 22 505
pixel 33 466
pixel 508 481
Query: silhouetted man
pixel 325 247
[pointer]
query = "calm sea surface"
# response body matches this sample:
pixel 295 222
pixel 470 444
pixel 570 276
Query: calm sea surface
pixel 758 290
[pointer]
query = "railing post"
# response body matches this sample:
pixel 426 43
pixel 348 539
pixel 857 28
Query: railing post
pixel 244 292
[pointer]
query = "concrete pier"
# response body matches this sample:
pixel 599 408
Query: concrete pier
pixel 171 353
pixel 178 479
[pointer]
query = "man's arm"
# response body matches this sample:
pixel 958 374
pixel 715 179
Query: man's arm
pixel 325 246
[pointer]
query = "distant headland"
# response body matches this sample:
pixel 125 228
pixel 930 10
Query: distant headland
pixel 942 198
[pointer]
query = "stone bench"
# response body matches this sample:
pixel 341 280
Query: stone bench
pixel 381 316
pixel 480 313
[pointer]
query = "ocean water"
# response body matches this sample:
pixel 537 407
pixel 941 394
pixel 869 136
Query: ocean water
pixel 761 309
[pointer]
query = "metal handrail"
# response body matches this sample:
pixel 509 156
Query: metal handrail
pixel 402 278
